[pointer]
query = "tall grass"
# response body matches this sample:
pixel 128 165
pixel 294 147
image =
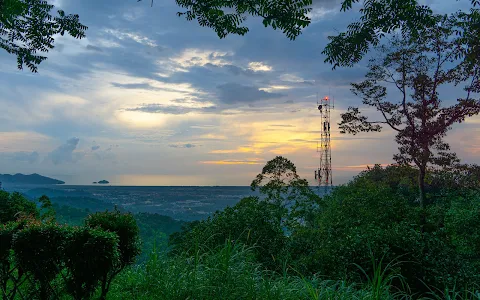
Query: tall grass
pixel 227 272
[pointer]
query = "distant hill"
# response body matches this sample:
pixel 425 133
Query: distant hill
pixel 103 182
pixel 28 179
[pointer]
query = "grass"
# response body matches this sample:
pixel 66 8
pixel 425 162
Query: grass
pixel 228 272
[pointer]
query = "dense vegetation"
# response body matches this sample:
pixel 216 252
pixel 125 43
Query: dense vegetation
pixel 362 241
pixel 399 232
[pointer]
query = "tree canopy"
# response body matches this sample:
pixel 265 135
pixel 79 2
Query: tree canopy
pixel 226 16
pixel 28 27
pixel 416 67
pixel 383 17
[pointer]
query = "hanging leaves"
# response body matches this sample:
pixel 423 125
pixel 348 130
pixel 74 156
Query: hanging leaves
pixel 27 27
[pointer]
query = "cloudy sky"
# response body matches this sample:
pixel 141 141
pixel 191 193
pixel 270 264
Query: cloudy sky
pixel 149 98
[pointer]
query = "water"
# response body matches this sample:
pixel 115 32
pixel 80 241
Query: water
pixel 181 203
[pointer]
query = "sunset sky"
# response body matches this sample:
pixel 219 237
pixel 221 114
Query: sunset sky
pixel 149 98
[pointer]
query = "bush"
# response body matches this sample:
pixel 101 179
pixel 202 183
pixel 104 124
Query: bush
pixel 125 227
pixel 90 255
pixel 41 259
pixel 250 222
pixel 376 213
pixel 39 251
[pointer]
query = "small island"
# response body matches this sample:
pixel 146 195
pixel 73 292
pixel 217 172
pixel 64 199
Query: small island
pixel 103 182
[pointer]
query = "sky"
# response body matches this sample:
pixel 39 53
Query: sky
pixel 149 98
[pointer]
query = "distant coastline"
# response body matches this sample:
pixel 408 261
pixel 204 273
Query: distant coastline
pixel 28 179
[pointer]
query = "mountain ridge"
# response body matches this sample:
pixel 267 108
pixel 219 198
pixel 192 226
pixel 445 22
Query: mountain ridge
pixel 34 178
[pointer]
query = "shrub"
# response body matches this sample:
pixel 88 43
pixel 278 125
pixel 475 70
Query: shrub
pixel 125 227
pixel 39 251
pixel 90 255
pixel 250 222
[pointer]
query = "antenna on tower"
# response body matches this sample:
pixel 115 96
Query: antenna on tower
pixel 323 174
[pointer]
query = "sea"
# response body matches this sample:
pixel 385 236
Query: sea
pixel 185 203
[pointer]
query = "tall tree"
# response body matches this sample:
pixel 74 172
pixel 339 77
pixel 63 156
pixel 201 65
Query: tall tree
pixel 281 186
pixel 417 67
pixel 28 27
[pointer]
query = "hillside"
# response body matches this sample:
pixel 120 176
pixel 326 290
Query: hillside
pixel 28 179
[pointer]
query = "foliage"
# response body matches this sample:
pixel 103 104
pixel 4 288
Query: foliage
pixel 28 27
pixel 15 205
pixel 90 254
pixel 379 18
pixel 226 16
pixel 363 241
pixel 250 222
pixel 280 185
pixel 374 214
pixel 124 225
pixel 155 228
pixel 226 272
pixel 39 250
pixel 46 209
pixel 39 258
pixel 70 215
pixel 462 222
pixel 417 67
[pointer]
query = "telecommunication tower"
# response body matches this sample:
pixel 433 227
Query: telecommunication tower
pixel 323 174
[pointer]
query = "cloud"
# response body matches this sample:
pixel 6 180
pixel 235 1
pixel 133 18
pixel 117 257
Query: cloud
pixel 105 154
pixel 30 157
pixel 281 125
pixel 66 153
pixel 171 109
pixel 182 145
pixel 259 66
pixel 341 77
pixel 233 162
pixel 232 93
pixel 141 86
pixel 95 148
pixel 137 37
pixel 325 3
pixel 244 149
pixel 94 48
pixel 166 87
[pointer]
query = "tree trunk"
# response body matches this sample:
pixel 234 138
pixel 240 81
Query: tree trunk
pixel 421 187
pixel 422 197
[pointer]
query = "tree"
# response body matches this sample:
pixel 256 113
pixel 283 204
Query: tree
pixel 28 27
pixel 383 17
pixel 125 226
pixel 14 205
pixel 46 209
pixel 283 187
pixel 226 16
pixel 417 66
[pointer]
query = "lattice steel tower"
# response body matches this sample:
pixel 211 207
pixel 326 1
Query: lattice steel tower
pixel 323 174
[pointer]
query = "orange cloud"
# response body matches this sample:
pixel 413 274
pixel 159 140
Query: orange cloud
pixel 233 162
pixel 238 150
